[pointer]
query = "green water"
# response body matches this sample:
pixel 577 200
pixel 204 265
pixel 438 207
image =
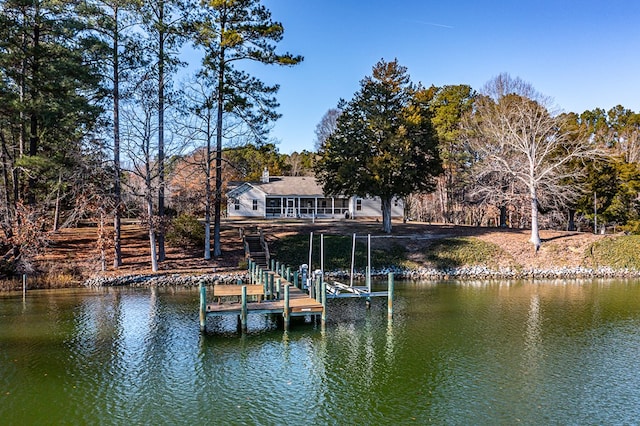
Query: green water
pixel 455 354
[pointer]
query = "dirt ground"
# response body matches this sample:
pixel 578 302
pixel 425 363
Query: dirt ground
pixel 74 250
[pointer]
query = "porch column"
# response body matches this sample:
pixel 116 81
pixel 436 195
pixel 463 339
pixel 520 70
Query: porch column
pixel 283 201
pixel 333 206
pixel 316 206
pixel 299 211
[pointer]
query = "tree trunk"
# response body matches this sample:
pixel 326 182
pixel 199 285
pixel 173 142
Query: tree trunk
pixel 101 238
pixel 207 193
pixel 161 251
pixel 33 116
pixel 56 213
pixel 217 205
pixel 152 231
pixel 503 216
pixel 117 188
pixel 386 214
pixel 535 232
pixel 572 224
pixel 8 203
pixel 152 247
pixel 441 196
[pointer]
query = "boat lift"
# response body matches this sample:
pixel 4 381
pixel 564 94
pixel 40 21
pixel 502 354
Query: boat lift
pixel 337 289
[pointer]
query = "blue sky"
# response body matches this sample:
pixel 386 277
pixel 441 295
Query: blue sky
pixel 583 54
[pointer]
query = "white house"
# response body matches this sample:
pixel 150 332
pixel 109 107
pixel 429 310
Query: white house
pixel 299 197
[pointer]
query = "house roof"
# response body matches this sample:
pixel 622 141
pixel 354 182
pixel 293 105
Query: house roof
pixel 295 186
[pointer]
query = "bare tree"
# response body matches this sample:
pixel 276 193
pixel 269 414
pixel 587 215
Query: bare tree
pixel 326 126
pixel 138 137
pixel 516 139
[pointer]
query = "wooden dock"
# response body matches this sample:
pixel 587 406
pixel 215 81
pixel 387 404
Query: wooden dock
pixel 283 298
pixel 276 289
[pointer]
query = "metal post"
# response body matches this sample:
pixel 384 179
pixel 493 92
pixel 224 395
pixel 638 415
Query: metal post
pixel 310 252
pixel 273 264
pixel 278 287
pixel 322 257
pixel 353 259
pixel 277 268
pixel 295 279
pixel 288 273
pixel 243 312
pixel 203 307
pixel 390 296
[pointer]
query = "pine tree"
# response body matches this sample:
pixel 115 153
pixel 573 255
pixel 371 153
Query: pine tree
pixel 230 31
pixel 384 144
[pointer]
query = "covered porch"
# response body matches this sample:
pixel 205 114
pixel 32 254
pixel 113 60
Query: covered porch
pixel 293 206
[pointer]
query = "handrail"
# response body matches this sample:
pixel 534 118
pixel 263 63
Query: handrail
pixel 264 246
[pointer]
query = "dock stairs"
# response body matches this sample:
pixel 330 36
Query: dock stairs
pixel 257 249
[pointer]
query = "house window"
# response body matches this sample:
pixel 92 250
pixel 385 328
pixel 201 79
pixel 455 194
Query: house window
pixel 324 203
pixel 358 205
pixel 255 205
pixel 236 204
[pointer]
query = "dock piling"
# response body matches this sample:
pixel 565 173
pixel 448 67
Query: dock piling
pixel 271 292
pixel 390 297
pixel 318 287
pixel 324 303
pixel 243 312
pixel 285 311
pixel 203 307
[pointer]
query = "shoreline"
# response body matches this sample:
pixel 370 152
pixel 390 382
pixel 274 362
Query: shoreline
pixel 469 273
pixel 473 273
pixel 464 273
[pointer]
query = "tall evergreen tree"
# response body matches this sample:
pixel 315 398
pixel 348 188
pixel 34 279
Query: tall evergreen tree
pixel 230 31
pixel 165 21
pixel 384 144
pixel 449 105
pixel 52 88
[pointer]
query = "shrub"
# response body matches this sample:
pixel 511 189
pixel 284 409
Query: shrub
pixel 632 227
pixel 185 230
pixel 617 252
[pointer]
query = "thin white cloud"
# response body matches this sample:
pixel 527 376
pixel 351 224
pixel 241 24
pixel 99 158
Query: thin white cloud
pixel 433 24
